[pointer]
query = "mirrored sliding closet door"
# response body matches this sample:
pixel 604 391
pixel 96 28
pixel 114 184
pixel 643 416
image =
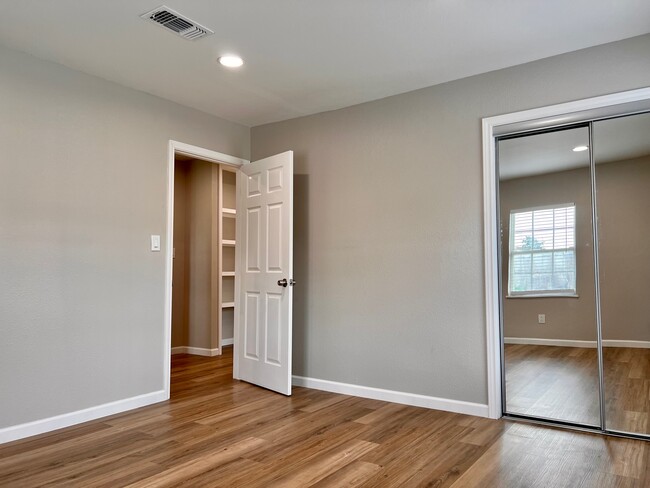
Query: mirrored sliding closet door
pixel 548 304
pixel 574 249
pixel 622 182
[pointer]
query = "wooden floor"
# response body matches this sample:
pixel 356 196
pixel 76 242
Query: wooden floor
pixel 562 383
pixel 216 432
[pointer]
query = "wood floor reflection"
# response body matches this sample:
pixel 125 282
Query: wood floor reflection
pixel 562 383
pixel 627 388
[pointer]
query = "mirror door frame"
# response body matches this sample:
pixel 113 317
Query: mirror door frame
pixel 550 116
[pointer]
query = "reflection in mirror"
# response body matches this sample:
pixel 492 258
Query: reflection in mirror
pixel 622 156
pixel 547 277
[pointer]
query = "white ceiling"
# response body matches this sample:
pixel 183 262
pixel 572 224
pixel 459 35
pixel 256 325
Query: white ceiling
pixel 614 140
pixel 308 56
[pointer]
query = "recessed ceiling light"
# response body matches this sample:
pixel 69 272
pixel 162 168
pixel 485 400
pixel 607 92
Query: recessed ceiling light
pixel 231 61
pixel 580 148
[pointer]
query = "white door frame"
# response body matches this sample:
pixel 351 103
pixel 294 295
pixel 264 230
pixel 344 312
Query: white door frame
pixel 174 148
pixel 492 302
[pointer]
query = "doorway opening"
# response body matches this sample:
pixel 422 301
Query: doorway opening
pixel 203 274
pixel 201 264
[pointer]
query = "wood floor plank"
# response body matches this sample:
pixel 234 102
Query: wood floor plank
pixel 309 473
pixel 484 431
pixel 354 474
pixel 379 415
pixel 225 475
pixel 31 444
pixel 118 473
pixel 198 465
pixel 72 470
pixel 326 402
pixel 435 456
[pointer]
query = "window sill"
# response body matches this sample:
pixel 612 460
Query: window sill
pixel 545 295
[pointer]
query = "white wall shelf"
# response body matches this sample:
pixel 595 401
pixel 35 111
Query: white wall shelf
pixel 227 216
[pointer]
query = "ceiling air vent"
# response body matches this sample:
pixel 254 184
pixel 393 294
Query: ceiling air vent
pixel 177 23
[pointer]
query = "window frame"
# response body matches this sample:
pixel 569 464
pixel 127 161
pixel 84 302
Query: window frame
pixel 558 292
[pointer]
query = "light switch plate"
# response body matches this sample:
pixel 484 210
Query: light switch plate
pixel 155 243
pixel 541 318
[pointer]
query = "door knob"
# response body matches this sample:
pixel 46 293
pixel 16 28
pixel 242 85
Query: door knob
pixel 292 282
pixel 282 282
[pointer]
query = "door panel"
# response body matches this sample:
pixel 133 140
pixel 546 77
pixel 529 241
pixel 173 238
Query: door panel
pixel 622 157
pixel 274 248
pixel 252 326
pixel 548 292
pixel 273 328
pixel 252 242
pixel 265 195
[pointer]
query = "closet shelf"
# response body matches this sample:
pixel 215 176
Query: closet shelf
pixel 228 305
pixel 229 212
pixel 228 273
pixel 227 242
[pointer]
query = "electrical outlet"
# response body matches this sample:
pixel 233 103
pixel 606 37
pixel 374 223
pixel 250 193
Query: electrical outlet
pixel 541 318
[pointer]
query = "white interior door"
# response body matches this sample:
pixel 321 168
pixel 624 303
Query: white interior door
pixel 265 272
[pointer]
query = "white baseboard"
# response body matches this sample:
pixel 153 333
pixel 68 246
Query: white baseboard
pixel 413 399
pixel 197 351
pixel 548 342
pixel 571 343
pixel 36 427
pixel 228 342
pixel 632 344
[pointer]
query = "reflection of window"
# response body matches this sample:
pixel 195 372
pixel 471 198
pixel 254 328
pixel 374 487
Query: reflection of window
pixel 543 251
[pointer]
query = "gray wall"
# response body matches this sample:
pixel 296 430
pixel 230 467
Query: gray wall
pixel 83 183
pixel 192 285
pixel 181 270
pixel 200 259
pixel 388 221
